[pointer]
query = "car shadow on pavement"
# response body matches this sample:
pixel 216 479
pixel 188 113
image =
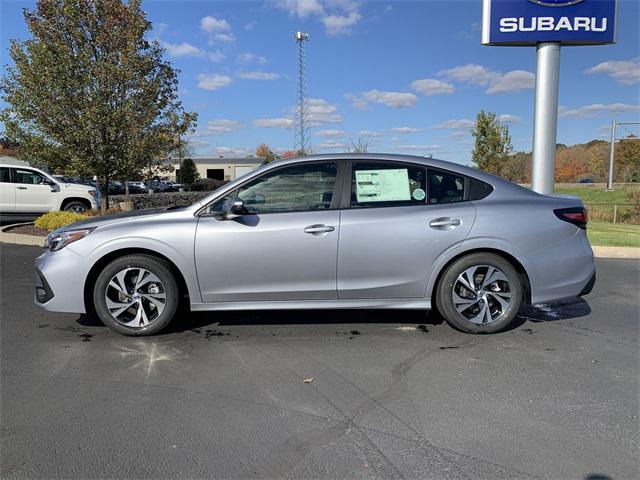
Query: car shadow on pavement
pixel 186 320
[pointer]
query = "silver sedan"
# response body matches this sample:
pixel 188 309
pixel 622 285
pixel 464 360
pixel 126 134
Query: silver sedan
pixel 323 232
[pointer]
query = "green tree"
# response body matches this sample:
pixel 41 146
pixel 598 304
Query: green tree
pixel 492 144
pixel 88 92
pixel 188 172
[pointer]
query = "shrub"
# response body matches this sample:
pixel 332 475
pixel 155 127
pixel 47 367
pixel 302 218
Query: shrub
pixel 634 198
pixel 54 220
pixel 95 213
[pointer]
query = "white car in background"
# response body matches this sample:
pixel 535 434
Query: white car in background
pixel 28 192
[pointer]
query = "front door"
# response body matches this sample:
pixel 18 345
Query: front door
pixel 286 247
pixel 33 192
pixel 401 218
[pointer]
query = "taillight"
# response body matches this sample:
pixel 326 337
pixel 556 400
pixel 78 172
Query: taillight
pixel 576 215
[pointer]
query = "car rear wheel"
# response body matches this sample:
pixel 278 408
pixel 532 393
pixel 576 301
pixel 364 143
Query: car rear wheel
pixel 136 295
pixel 479 293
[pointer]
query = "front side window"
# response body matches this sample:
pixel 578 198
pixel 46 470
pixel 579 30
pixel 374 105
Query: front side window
pixel 445 187
pixel 4 175
pixel 295 188
pixel 380 184
pixel 29 177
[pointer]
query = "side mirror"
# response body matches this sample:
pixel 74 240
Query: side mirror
pixel 234 208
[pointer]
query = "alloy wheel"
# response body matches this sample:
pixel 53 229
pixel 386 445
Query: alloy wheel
pixel 482 294
pixel 135 297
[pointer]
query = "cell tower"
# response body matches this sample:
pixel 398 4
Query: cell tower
pixel 301 136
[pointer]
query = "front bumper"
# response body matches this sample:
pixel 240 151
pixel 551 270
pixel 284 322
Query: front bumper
pixel 60 280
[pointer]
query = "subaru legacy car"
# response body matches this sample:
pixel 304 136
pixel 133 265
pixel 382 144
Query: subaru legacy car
pixel 323 232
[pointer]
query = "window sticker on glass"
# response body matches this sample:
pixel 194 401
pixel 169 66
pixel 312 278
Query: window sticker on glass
pixel 386 185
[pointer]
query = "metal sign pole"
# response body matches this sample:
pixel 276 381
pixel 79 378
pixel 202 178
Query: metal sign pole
pixel 545 122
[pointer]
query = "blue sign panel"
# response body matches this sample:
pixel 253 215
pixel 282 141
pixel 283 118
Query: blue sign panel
pixel 528 22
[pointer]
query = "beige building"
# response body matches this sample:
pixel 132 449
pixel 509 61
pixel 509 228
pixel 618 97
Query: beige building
pixel 220 168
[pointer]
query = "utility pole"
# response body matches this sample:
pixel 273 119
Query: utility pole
pixel 612 150
pixel 301 134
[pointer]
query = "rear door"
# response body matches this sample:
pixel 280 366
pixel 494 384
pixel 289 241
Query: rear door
pixel 400 218
pixel 7 191
pixel 33 192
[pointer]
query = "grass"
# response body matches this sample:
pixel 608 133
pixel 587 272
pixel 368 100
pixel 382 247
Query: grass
pixel 608 234
pixel 592 194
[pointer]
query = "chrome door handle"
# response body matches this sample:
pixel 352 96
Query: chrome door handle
pixel 445 223
pixel 319 229
pixel 21 188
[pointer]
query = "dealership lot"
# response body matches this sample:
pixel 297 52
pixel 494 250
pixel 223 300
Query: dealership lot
pixel 394 394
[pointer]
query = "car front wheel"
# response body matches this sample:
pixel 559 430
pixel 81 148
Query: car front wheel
pixel 479 293
pixel 76 206
pixel 136 295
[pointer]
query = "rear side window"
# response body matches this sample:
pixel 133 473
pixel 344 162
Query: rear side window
pixel 478 189
pixel 4 175
pixel 380 184
pixel 445 187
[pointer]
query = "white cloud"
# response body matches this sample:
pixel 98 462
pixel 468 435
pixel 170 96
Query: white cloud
pixel 332 145
pixel 337 16
pixel 414 147
pixel 596 110
pixel 508 118
pixel 431 86
pixel 211 24
pixel 471 73
pixel 216 56
pixel 456 124
pixel 390 99
pixel 321 112
pixel 223 38
pixel 369 134
pixel 330 133
pixel 472 34
pixel 405 130
pixel 183 49
pixel 340 24
pixel 232 151
pixel 458 134
pixel 219 127
pixel 213 81
pixel 251 25
pixel 513 81
pixel 624 71
pixel 273 123
pixel 258 75
pixel 249 57
pixel 301 8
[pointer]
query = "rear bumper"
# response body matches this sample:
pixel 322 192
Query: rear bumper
pixel 562 270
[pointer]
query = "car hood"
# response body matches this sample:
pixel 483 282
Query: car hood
pixel 99 221
pixel 74 187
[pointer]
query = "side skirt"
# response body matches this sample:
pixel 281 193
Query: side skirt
pixel 360 303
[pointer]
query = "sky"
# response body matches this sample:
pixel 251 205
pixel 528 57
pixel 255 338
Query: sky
pixel 405 76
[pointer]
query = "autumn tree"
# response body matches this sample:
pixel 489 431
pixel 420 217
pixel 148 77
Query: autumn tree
pixel 263 150
pixel 289 154
pixel 492 143
pixel 627 159
pixel 88 92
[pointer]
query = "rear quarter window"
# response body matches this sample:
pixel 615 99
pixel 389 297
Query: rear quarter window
pixel 478 189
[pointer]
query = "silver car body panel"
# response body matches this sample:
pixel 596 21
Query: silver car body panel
pixel 375 258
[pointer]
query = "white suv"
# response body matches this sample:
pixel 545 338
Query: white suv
pixel 27 191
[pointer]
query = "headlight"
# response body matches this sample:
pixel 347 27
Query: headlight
pixel 57 240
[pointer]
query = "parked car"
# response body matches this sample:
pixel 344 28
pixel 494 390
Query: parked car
pixel 161 186
pixel 137 187
pixel 27 192
pixel 328 231
pixel 585 180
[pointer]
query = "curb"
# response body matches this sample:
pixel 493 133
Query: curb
pixel 616 252
pixel 20 239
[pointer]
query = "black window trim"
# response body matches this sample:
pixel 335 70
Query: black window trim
pixel 335 201
pixel 11 175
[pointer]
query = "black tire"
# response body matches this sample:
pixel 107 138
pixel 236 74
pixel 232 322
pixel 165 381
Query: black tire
pixel 461 321
pixel 76 206
pixel 157 267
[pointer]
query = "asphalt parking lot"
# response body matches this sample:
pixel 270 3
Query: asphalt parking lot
pixel 394 394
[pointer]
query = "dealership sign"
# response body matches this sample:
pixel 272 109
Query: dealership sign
pixel 529 22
